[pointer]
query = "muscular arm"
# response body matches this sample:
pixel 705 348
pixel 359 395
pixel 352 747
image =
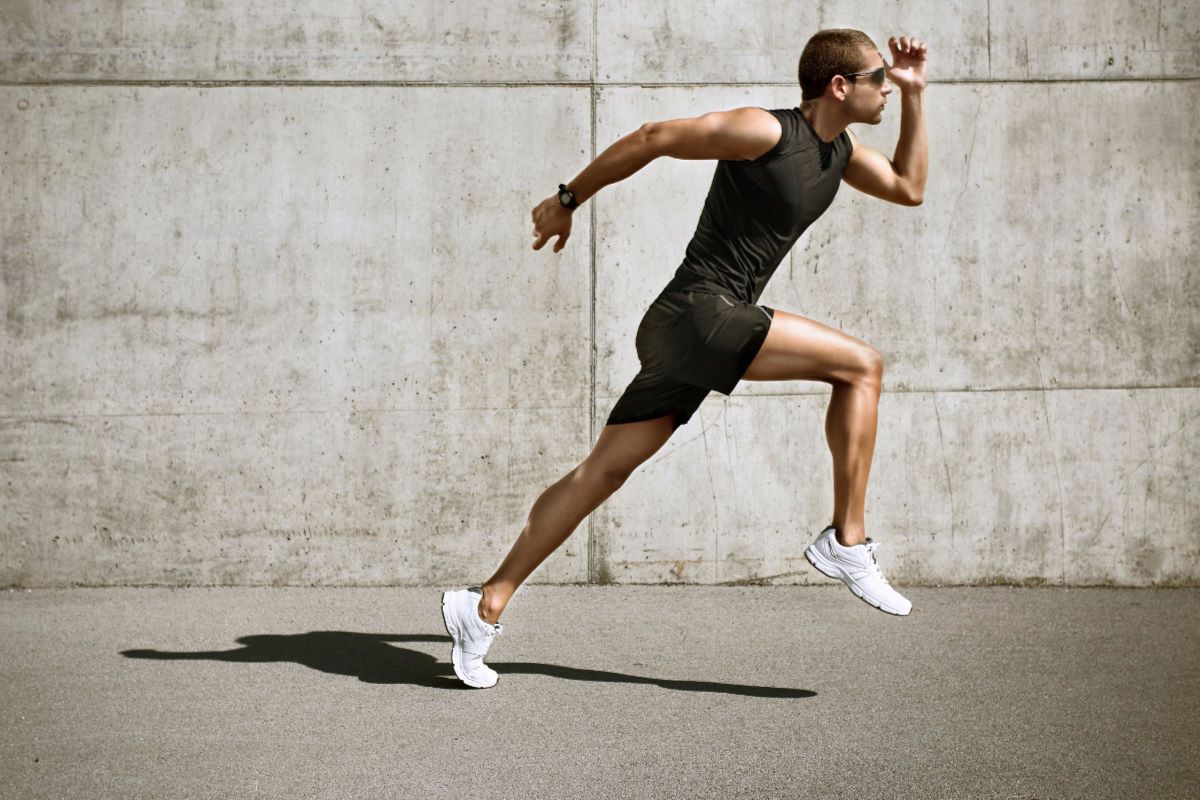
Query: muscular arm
pixel 743 133
pixel 911 160
pixel 901 180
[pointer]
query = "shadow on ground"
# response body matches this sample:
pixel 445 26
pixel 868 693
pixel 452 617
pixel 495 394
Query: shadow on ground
pixel 371 658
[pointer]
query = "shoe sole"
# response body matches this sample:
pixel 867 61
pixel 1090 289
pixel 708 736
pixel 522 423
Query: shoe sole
pixel 455 654
pixel 822 565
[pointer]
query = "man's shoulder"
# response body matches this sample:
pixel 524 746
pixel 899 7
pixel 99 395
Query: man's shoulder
pixel 758 130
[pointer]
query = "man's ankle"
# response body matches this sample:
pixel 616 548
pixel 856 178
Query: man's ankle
pixel 849 539
pixel 487 610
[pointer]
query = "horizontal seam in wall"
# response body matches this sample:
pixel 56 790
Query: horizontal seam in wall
pixel 442 410
pixel 280 412
pixel 1029 585
pixel 216 84
pixel 1055 388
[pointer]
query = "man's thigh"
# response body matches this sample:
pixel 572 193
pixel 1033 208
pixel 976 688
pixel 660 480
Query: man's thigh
pixel 622 447
pixel 797 348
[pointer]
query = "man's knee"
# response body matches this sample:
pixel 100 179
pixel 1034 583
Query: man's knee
pixel 871 365
pixel 604 474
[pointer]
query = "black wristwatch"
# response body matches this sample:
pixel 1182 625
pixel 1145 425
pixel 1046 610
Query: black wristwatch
pixel 566 197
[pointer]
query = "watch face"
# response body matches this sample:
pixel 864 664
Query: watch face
pixel 564 197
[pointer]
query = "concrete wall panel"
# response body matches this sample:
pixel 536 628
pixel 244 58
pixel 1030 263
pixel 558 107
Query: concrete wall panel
pixel 716 41
pixel 1052 249
pixel 169 250
pixel 222 40
pixel 205 294
pixel 1074 486
pixel 722 42
pixel 305 498
pixel 1048 245
pixel 1095 40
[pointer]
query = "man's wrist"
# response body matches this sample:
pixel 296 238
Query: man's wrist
pixel 567 198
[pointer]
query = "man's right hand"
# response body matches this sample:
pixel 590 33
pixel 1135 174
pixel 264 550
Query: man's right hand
pixel 551 218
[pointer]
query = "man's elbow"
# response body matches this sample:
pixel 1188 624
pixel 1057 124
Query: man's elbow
pixel 912 196
pixel 649 140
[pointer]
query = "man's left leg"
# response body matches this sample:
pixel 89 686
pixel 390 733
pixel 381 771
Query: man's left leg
pixel 802 349
pixel 797 348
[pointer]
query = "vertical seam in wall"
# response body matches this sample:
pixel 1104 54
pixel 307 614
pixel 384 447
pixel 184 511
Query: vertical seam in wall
pixel 989 35
pixel 591 550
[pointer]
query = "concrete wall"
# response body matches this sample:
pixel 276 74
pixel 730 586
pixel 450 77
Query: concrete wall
pixel 271 315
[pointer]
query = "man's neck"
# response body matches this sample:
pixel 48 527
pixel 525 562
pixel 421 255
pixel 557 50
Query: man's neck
pixel 822 120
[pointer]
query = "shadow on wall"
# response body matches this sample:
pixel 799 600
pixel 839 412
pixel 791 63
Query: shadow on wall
pixel 370 658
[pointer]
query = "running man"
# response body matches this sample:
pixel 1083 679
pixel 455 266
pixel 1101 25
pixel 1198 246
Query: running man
pixel 777 171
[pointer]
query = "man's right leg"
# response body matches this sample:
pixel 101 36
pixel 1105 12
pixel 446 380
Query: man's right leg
pixel 559 510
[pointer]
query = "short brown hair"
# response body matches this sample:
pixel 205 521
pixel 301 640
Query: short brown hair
pixel 830 52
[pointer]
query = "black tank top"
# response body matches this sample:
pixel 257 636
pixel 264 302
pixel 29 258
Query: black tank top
pixel 757 209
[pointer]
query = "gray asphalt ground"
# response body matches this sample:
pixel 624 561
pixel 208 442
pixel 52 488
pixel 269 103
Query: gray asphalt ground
pixel 624 692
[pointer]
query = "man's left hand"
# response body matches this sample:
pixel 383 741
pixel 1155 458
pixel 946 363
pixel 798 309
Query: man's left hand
pixel 908 63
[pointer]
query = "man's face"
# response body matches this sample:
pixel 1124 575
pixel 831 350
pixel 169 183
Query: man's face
pixel 865 97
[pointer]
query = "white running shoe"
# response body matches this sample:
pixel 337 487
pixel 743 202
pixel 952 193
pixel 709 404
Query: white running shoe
pixel 857 568
pixel 472 636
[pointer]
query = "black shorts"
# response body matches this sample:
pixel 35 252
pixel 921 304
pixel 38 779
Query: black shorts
pixel 690 343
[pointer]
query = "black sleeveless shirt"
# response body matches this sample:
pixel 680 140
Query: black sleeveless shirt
pixel 757 209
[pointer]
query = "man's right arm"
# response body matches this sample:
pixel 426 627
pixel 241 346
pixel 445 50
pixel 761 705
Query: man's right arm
pixel 741 134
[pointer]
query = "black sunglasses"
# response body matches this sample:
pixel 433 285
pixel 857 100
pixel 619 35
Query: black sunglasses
pixel 878 75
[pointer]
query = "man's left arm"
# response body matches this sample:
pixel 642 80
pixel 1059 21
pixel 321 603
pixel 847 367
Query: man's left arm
pixel 901 180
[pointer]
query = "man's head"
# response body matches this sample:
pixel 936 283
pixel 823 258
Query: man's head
pixel 828 68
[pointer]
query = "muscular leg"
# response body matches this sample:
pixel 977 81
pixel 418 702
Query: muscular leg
pixel 559 510
pixel 801 349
